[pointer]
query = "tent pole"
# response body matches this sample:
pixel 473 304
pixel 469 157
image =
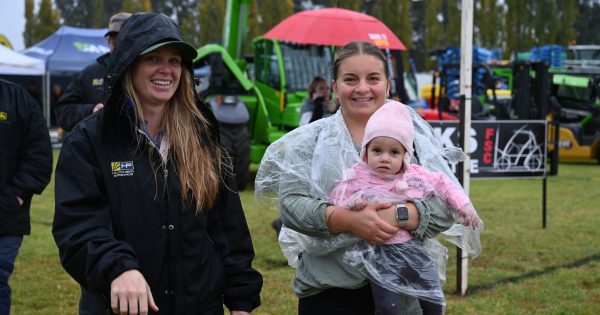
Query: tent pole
pixel 46 97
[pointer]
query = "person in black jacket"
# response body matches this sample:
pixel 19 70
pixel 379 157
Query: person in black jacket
pixel 25 169
pixel 85 93
pixel 147 215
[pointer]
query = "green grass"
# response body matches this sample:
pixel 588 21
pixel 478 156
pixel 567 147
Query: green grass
pixel 523 269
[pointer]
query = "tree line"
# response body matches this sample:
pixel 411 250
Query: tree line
pixel 423 26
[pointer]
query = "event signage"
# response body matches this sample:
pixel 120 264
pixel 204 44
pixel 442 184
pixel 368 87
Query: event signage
pixel 511 148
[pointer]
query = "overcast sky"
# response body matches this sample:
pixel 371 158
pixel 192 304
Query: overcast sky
pixel 12 21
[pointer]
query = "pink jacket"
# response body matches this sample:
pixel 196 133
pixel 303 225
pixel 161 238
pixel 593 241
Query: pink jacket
pixel 414 183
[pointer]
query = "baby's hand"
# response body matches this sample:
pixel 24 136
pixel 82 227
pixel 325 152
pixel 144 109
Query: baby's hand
pixel 469 216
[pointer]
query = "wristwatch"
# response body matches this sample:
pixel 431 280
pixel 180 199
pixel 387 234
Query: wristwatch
pixel 401 214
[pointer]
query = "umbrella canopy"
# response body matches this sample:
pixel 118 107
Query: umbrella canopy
pixel 336 27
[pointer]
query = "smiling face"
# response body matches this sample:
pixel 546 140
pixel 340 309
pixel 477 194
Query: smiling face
pixel 361 85
pixel 385 155
pixel 156 76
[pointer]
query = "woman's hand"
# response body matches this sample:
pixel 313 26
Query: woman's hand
pixel 240 313
pixel 366 223
pixel 389 215
pixel 130 294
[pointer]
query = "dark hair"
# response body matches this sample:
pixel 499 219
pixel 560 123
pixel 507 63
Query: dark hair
pixel 358 48
pixel 312 88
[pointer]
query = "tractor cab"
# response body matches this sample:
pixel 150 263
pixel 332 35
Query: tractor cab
pixel 244 126
pixel 283 71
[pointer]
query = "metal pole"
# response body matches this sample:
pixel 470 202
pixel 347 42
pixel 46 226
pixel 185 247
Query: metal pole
pixel 544 191
pixel 46 97
pixel 466 65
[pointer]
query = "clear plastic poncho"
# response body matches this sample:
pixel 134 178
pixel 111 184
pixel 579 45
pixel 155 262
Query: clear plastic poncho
pixel 314 157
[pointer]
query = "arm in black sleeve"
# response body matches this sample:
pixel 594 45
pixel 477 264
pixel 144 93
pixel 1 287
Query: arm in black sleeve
pixel 231 234
pixel 72 107
pixel 82 227
pixel 34 167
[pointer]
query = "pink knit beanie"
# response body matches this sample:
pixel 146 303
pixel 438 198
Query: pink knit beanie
pixel 390 120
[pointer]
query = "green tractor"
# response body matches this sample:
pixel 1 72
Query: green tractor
pixel 253 113
pixel 576 96
pixel 256 103
pixel 244 125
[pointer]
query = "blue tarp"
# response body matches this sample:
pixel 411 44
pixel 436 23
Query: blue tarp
pixel 70 49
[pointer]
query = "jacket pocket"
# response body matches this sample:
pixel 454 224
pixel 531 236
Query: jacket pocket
pixel 8 198
pixel 9 209
pixel 209 274
pixel 3 168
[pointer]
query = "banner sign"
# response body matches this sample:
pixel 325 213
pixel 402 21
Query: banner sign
pixel 501 148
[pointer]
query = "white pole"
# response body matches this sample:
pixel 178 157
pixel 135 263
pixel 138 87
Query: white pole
pixel 466 67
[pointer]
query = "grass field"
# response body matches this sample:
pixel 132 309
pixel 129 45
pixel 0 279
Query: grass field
pixel 523 269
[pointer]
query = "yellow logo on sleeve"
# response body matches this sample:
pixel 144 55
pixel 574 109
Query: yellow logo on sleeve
pixel 3 116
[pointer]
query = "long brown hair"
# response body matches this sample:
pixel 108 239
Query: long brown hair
pixel 198 158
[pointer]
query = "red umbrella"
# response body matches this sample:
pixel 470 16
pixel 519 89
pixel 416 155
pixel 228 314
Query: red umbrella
pixel 334 27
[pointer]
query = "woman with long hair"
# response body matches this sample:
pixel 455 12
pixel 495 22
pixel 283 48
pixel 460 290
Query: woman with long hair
pixel 148 219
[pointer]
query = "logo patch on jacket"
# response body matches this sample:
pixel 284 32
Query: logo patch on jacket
pixel 3 116
pixel 122 168
pixel 96 82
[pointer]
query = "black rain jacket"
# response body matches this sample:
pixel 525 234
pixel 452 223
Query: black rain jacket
pixel 25 157
pixel 85 90
pixel 117 208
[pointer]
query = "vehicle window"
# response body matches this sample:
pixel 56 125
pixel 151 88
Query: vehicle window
pixel 304 62
pixel 265 63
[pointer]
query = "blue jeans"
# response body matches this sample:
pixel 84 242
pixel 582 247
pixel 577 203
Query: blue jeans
pixel 9 247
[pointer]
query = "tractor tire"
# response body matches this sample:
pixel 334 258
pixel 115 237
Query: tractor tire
pixel 235 139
